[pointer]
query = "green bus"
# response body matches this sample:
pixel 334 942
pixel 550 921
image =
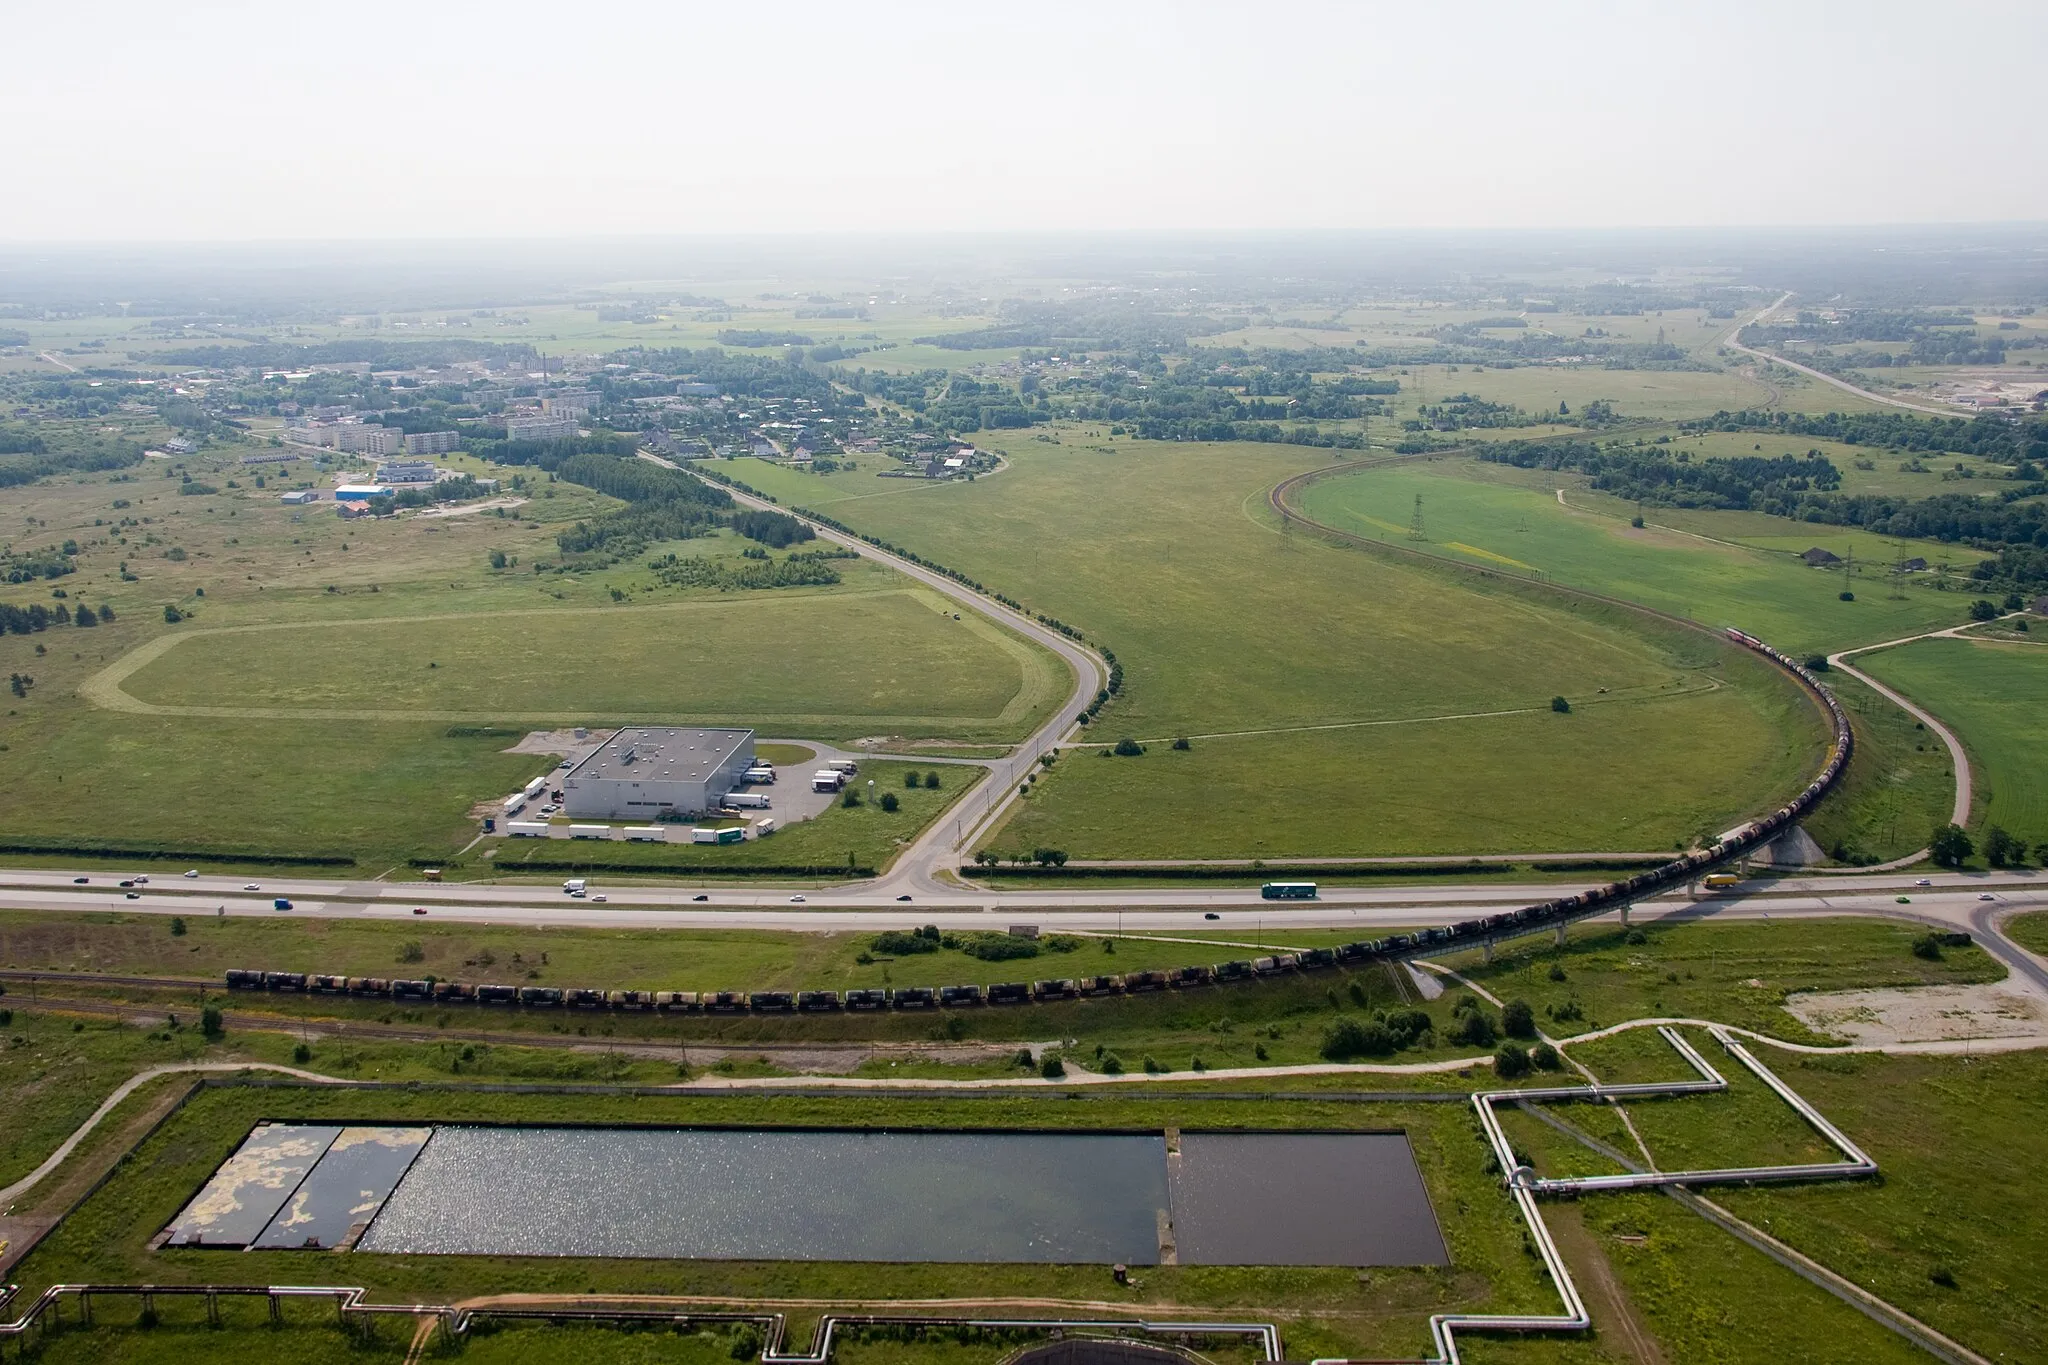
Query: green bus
pixel 1288 891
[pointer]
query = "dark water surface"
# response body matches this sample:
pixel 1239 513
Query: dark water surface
pixel 796 1196
pixel 1352 1199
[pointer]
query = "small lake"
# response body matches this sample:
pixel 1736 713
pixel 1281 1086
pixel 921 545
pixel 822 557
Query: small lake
pixel 1068 1197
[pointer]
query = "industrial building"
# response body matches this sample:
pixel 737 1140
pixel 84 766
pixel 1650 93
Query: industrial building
pixel 299 497
pixel 643 773
pixel 407 471
pixel 360 492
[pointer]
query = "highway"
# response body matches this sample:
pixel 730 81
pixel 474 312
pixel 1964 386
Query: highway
pixel 1952 899
pixel 1733 341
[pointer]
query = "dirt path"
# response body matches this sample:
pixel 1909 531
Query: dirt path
pixel 1618 1325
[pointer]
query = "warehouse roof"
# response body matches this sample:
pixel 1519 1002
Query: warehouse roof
pixel 662 753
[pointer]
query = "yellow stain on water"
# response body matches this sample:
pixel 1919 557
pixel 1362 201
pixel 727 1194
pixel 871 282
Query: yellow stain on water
pixel 1487 554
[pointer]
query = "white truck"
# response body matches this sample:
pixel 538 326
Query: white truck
pixel 827 780
pixel 843 765
pixel 515 803
pixel 760 777
pixel 590 831
pixel 573 885
pixel 746 801
pixel 650 834
pixel 529 829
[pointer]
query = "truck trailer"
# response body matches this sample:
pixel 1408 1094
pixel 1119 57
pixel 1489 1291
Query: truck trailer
pixel 747 801
pixel 529 829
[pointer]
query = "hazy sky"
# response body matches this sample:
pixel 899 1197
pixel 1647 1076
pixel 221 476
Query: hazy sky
pixel 130 120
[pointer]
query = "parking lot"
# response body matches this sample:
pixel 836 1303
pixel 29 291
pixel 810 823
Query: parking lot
pixel 791 797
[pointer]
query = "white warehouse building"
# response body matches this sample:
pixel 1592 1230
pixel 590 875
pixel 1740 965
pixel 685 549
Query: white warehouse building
pixel 643 772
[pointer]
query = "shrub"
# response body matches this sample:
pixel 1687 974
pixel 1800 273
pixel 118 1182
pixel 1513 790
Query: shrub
pixel 412 950
pixel 1561 706
pixel 1557 971
pixel 210 1024
pixel 931 780
pixel 1545 1057
pixel 1511 1063
pixel 994 947
pixel 1949 846
pixel 302 1054
pixel 1983 609
pixel 1152 1068
pixel 1351 1037
pixel 1112 1065
pixel 1517 1020
pixel 177 926
pixel 889 803
pixel 1051 1067
pixel 902 943
pixel 1846 596
pixel 1474 1029
pixel 1928 946
pixel 1182 743
pixel 850 799
pixel 910 778
pixel 1128 748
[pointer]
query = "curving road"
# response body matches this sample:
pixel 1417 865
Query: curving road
pixel 916 870
pixel 1733 341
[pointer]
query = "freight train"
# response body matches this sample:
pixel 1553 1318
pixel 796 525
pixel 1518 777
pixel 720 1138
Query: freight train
pixel 1736 843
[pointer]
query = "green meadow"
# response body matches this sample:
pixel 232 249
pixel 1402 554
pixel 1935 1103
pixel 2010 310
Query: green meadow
pixel 1482 520
pixel 1990 693
pixel 1291 657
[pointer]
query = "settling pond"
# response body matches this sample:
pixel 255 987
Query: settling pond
pixel 1296 1198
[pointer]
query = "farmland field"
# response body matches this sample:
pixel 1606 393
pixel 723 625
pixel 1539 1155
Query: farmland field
pixel 1226 626
pixel 1990 694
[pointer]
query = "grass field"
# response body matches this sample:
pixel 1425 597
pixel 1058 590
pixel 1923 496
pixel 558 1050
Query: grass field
pixel 1473 513
pixel 1225 625
pixel 1945 1131
pixel 841 664
pixel 1705 971
pixel 1899 785
pixel 304 704
pixel 1990 694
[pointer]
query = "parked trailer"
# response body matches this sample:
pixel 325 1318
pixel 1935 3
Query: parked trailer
pixel 1288 891
pixel 874 999
pixel 515 803
pixel 590 831
pixel 746 801
pixel 843 765
pixel 535 787
pixel 527 829
pixel 826 780
pixel 760 777
pixel 763 828
pixel 648 834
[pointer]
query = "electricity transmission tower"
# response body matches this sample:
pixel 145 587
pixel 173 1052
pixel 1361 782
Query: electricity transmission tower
pixel 1415 522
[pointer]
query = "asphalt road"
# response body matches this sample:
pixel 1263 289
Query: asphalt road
pixel 916 870
pixel 1733 341
pixel 1952 900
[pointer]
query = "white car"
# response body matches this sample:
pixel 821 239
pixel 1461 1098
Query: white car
pixel 251 886
pixel 191 872
pixel 796 900
pixel 1986 896
pixel 1923 882
pixel 599 898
